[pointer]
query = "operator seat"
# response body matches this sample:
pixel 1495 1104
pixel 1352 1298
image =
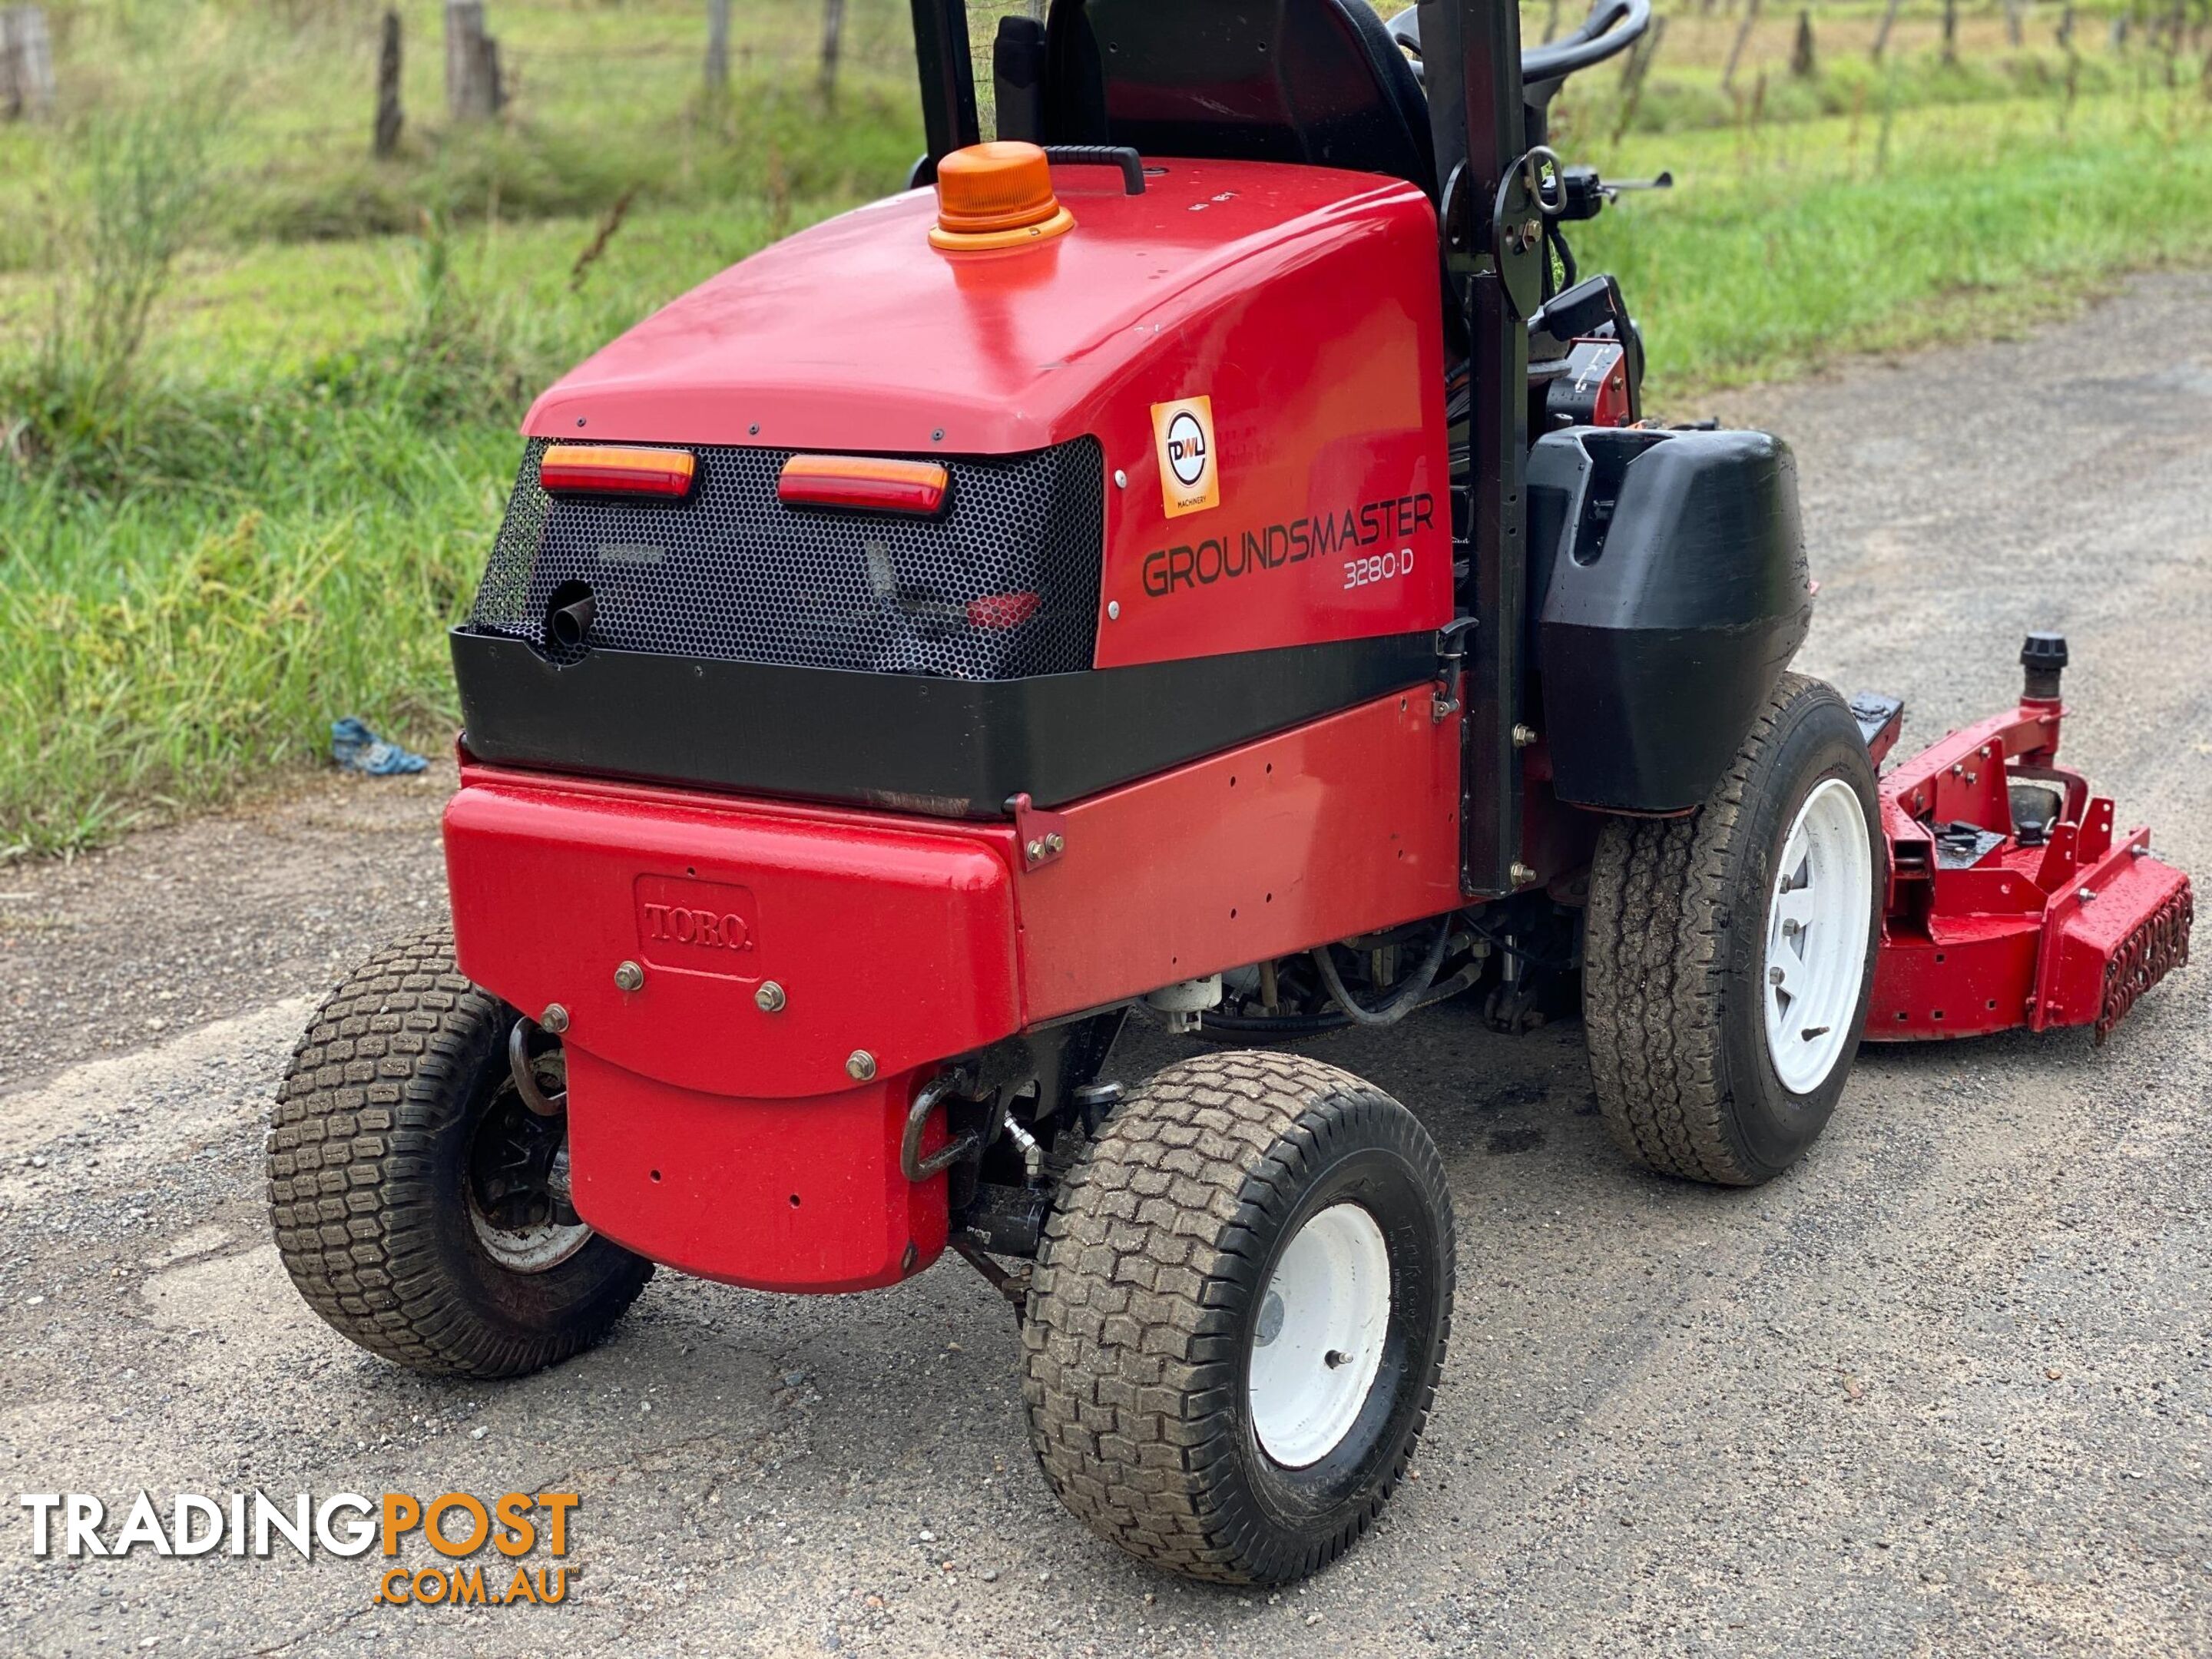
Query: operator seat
pixel 1319 82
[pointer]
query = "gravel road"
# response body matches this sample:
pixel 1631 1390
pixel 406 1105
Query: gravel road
pixel 1942 1389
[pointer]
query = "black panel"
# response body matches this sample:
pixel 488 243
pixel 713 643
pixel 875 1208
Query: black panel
pixel 950 747
pixel 1312 81
pixel 1674 592
pixel 1002 583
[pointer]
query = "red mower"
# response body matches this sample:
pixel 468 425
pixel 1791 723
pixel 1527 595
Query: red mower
pixel 1206 555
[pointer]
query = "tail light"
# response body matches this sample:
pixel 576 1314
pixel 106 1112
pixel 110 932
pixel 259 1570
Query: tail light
pixel 864 483
pixel 620 468
pixel 1002 610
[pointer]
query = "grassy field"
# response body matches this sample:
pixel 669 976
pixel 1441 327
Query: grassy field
pixel 258 391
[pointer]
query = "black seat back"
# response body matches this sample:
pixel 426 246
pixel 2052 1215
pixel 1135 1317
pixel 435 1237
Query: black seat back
pixel 1318 82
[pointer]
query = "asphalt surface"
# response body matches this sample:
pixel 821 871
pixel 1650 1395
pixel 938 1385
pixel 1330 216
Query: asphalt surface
pixel 1941 1389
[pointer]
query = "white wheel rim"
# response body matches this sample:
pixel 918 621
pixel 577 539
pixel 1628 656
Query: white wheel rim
pixel 1817 921
pixel 1319 1341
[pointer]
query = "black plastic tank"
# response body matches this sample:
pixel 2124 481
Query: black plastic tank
pixel 1667 592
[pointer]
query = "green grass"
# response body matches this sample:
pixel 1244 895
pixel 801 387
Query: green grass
pixel 295 500
pixel 1783 249
pixel 268 517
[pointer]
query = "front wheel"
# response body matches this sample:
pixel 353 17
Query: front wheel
pixel 1728 956
pixel 1239 1317
pixel 419 1206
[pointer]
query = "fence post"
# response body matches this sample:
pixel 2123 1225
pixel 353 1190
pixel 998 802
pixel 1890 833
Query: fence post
pixel 472 84
pixel 2014 14
pixel 389 116
pixel 1802 60
pixel 1881 33
pixel 833 43
pixel 27 64
pixel 718 47
pixel 1735 49
pixel 1950 31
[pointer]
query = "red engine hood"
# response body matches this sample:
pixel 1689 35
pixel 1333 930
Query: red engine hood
pixel 858 335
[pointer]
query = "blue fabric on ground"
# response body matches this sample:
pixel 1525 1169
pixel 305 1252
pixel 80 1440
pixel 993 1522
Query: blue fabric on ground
pixel 357 749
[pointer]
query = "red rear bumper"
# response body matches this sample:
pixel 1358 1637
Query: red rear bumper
pixel 709 1131
pixel 730 1138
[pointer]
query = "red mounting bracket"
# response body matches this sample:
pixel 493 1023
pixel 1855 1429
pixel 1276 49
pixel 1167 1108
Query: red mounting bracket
pixel 1043 835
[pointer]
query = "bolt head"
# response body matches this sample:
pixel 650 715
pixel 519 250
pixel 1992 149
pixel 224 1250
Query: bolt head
pixel 1113 610
pixel 1036 851
pixel 1774 977
pixel 1522 874
pixel 629 978
pixel 554 1019
pixel 861 1065
pixel 769 999
pixel 1121 479
pixel 1524 737
pixel 1055 842
pixel 2086 894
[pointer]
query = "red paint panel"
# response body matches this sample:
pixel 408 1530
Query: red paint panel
pixel 1348 823
pixel 1332 517
pixel 778 1195
pixel 885 935
pixel 855 335
pixel 1981 978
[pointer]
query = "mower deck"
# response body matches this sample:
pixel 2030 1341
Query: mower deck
pixel 2012 901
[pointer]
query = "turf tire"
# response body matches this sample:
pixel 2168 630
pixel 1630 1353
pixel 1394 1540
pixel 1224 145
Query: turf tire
pixel 1147 1292
pixel 366 1163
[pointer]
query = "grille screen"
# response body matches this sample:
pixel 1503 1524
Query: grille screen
pixel 1003 584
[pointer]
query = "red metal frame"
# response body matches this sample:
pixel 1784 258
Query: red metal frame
pixel 2068 931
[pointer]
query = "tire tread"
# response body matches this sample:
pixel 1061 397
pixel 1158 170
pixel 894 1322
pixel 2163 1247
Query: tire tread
pixel 348 1160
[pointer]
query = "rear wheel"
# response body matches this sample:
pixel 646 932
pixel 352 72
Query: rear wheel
pixel 1239 1317
pixel 421 1207
pixel 1728 956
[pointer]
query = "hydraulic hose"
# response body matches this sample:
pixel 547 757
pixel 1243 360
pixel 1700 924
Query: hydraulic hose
pixel 1402 1002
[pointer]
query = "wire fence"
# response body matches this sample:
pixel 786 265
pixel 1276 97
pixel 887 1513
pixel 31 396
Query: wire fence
pixel 589 63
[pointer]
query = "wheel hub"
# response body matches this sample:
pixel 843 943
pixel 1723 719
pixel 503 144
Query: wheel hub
pixel 1317 1342
pixel 517 1182
pixel 1817 933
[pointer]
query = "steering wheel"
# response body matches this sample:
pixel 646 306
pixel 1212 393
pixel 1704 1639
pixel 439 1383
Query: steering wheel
pixel 1611 28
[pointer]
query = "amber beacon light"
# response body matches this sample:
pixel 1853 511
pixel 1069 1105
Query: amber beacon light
pixel 996 196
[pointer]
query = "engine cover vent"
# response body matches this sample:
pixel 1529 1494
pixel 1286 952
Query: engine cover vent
pixel 1003 585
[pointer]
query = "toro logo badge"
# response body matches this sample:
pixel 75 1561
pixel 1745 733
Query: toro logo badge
pixel 1190 478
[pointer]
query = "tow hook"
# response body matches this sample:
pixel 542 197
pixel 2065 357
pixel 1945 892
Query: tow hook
pixel 526 1075
pixel 913 1164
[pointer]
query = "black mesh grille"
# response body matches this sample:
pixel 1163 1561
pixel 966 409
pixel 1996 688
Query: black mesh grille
pixel 731 573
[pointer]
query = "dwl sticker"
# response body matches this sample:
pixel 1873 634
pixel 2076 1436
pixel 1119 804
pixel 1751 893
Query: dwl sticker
pixel 1190 482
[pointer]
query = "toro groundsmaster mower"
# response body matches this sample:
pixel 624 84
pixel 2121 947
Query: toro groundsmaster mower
pixel 1202 551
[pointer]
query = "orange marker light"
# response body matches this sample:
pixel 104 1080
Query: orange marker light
pixel 996 196
pixel 863 482
pixel 620 467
